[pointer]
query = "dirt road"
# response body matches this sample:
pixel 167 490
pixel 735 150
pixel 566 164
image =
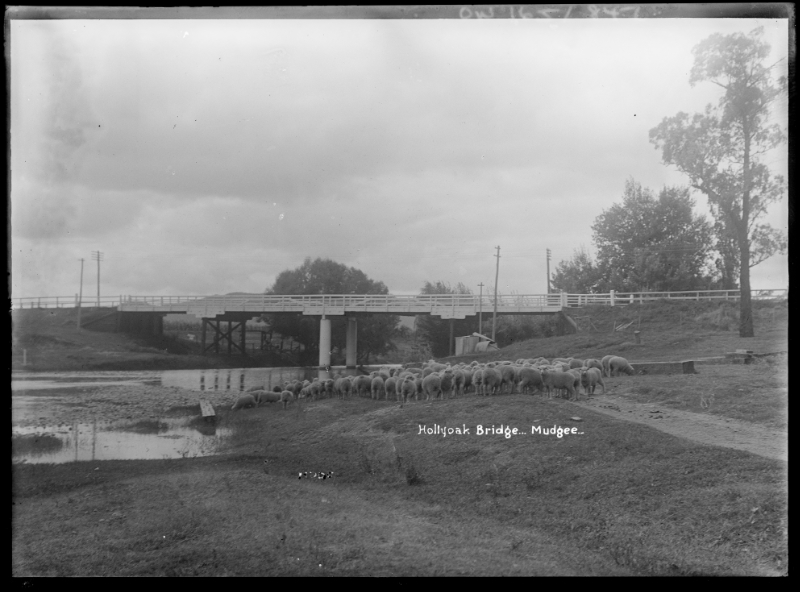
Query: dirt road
pixel 707 429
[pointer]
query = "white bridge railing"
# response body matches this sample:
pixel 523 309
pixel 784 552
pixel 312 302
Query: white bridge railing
pixel 386 303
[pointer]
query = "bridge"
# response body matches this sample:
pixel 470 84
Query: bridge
pixel 237 309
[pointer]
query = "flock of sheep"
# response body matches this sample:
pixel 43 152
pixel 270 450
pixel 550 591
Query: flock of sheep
pixel 435 380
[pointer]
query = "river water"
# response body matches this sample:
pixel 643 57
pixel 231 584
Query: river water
pixel 160 438
pixel 217 379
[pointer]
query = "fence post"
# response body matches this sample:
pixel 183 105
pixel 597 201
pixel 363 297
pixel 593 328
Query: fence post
pixel 611 297
pixel 563 299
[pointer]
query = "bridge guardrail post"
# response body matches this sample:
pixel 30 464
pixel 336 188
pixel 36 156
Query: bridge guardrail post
pixel 611 297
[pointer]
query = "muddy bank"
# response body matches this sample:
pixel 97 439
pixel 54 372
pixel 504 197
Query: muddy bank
pixel 109 403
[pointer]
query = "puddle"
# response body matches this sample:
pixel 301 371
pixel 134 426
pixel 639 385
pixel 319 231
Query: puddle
pixel 163 438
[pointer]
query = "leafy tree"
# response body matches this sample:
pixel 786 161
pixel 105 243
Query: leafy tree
pixel 651 244
pixel 579 275
pixel 324 276
pixel 727 263
pixel 720 149
pixel 435 330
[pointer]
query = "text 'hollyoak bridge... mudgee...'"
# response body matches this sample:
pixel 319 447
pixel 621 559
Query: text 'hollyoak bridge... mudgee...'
pixel 501 430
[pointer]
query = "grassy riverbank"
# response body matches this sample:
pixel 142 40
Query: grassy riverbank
pixel 616 498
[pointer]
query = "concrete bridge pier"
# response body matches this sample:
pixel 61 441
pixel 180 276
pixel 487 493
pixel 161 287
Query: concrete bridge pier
pixel 324 343
pixel 352 342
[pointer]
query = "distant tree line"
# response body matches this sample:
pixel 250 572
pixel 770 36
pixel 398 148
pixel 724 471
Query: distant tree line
pixel 647 243
pixel 655 243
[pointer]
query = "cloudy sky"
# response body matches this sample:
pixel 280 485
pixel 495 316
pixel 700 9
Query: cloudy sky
pixel 207 156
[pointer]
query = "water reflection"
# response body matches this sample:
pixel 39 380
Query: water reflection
pixel 115 440
pixel 216 379
pixel 242 379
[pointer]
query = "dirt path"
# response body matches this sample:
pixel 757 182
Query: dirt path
pixel 708 429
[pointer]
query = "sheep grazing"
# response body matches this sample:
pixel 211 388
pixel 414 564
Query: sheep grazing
pixel 575 363
pixel 559 380
pixel 362 385
pixel 377 386
pixel 604 362
pixel 507 377
pixel 477 380
pixel 390 386
pixel 447 383
pixel 432 386
pixel 407 388
pixel 618 364
pixel 266 397
pixel 343 385
pixel 427 371
pixel 592 363
pixel 244 401
pixel 492 380
pixel 286 398
pixel 529 377
pixel 590 378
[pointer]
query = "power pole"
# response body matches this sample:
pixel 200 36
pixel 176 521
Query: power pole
pixel 98 256
pixel 480 310
pixel 80 298
pixel 548 271
pixel 496 276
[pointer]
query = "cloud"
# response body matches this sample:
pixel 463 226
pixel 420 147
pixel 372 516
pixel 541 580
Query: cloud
pixel 211 162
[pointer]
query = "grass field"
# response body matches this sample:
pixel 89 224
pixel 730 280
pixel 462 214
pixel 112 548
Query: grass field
pixel 617 498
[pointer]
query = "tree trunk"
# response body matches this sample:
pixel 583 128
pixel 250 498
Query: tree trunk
pixel 745 303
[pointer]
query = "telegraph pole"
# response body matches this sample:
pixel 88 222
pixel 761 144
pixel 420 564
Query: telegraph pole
pixel 80 298
pixel 98 256
pixel 548 271
pixel 480 309
pixel 496 276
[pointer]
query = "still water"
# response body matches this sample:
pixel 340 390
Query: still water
pixel 117 440
pixel 163 438
pixel 227 379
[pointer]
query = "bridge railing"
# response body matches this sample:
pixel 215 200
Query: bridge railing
pixel 366 302
pixel 63 302
pixel 638 297
pixel 391 303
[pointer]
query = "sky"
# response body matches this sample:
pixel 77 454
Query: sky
pixel 207 156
